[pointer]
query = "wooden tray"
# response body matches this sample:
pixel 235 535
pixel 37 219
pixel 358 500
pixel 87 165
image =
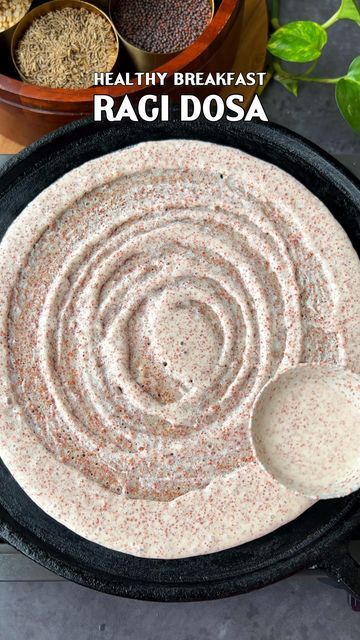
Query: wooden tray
pixel 250 46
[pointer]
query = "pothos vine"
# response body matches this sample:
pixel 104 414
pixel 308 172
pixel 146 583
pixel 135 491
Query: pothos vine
pixel 303 41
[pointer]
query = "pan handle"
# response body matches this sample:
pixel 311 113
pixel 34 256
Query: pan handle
pixel 343 564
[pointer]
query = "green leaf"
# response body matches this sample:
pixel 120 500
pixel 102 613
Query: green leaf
pixel 289 84
pixel 348 95
pixel 300 41
pixel 349 10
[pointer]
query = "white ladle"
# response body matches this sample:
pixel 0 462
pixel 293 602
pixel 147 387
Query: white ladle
pixel 305 430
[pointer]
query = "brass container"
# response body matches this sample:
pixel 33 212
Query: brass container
pixel 47 7
pixel 146 60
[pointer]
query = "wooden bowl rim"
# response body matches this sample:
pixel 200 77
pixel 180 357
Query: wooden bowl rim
pixel 221 19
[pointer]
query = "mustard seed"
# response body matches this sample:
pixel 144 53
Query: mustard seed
pixel 162 26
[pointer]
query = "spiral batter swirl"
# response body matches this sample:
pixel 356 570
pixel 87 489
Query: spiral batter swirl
pixel 148 316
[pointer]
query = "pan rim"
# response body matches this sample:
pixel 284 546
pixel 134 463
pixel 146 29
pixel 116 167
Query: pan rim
pixel 322 165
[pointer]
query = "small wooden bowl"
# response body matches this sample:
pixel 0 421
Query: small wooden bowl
pixel 48 7
pixel 146 60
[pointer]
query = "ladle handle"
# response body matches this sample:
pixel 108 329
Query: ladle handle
pixel 343 566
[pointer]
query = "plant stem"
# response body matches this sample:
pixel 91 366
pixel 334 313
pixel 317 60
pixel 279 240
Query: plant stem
pixel 303 77
pixel 331 21
pixel 314 79
pixel 275 14
pixel 311 68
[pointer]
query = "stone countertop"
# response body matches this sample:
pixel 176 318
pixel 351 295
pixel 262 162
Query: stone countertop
pixel 301 607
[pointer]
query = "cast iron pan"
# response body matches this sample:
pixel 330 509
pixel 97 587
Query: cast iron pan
pixel 318 537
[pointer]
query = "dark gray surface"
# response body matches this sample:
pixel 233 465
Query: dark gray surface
pixel 299 608
pixel 314 113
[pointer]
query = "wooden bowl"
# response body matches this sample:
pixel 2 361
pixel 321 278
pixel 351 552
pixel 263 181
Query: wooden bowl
pixel 27 111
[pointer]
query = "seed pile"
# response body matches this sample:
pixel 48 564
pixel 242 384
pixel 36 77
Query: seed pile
pixel 63 49
pixel 11 11
pixel 162 26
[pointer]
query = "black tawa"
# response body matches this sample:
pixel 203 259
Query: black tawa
pixel 316 538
